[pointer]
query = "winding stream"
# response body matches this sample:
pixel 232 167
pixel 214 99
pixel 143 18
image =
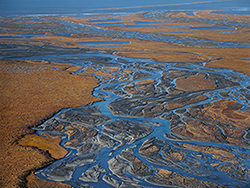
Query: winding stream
pixel 100 139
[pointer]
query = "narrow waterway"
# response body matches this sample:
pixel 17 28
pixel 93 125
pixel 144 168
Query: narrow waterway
pixel 99 137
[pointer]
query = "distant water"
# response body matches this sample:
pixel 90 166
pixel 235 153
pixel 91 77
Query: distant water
pixel 103 42
pixel 34 7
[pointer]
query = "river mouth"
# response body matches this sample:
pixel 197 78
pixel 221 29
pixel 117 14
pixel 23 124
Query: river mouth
pixel 174 109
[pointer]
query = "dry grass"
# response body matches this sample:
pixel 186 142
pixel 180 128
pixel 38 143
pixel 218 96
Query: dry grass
pixel 31 93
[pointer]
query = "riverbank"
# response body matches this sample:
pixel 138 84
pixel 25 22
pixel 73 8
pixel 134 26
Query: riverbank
pixel 31 93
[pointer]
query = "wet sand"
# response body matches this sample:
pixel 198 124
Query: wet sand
pixel 175 100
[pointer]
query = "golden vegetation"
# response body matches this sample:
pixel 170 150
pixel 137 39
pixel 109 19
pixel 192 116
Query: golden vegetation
pixel 31 93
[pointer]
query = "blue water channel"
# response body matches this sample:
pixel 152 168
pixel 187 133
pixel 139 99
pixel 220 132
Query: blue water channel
pixel 106 42
pixel 101 157
pixel 79 28
pixel 23 35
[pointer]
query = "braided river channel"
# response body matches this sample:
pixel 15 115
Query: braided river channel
pixel 174 96
pixel 132 135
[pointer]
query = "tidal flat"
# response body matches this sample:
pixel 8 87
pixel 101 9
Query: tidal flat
pixel 149 99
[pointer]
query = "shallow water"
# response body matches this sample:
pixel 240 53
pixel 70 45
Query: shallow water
pixel 102 137
pixel 74 165
pixel 214 28
pixel 109 24
pixel 24 35
pixel 62 34
pixel 190 14
pixel 103 42
pixel 104 21
pixel 152 23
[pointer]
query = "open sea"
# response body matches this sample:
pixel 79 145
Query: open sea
pixel 34 7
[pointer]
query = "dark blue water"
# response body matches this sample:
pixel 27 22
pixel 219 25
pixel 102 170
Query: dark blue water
pixel 62 34
pixel 23 35
pixel 34 7
pixel 146 25
pixel 12 37
pixel 153 23
pixel 214 28
pixel 106 47
pixel 104 21
pixel 190 14
pixel 109 24
pixel 103 42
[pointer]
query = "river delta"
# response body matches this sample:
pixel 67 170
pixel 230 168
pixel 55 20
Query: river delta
pixel 149 99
